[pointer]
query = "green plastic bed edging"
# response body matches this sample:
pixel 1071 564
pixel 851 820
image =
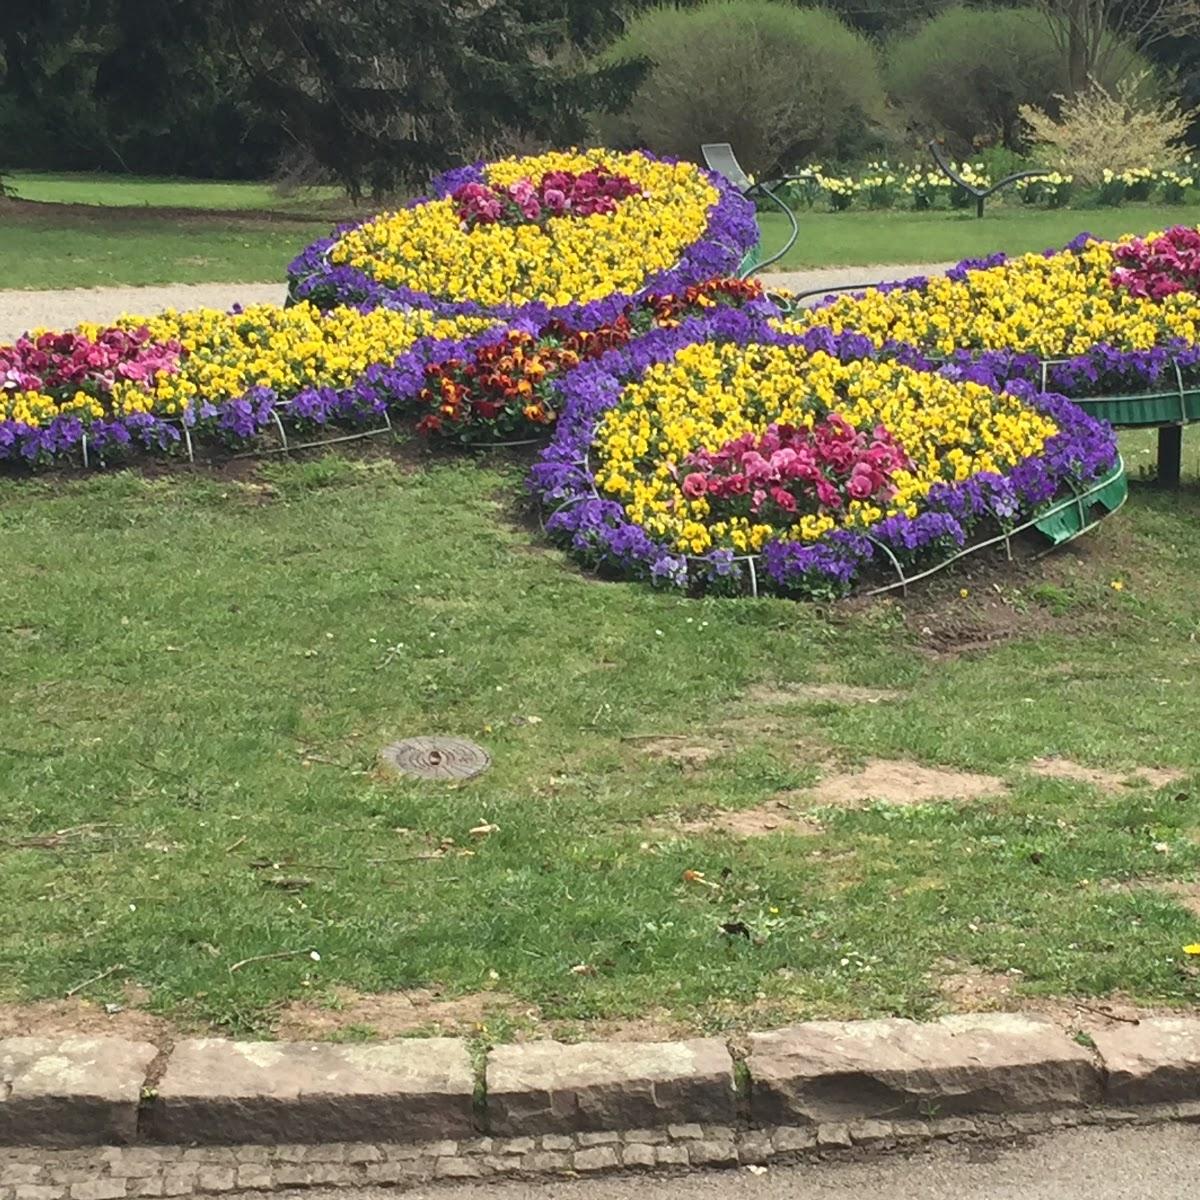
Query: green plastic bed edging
pixel 1102 498
pixel 752 259
pixel 1148 409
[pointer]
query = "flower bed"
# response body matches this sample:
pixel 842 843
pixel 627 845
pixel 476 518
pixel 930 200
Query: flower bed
pixel 699 454
pixel 544 237
pixel 1113 325
pixel 505 391
pixel 158 381
pixel 920 187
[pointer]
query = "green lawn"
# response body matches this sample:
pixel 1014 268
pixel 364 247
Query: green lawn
pixel 58 247
pixel 200 669
pixel 160 192
pixel 854 239
pixel 187 231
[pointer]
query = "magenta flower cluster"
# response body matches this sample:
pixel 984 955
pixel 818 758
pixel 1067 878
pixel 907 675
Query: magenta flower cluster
pixel 560 194
pixel 72 362
pixel 797 470
pixel 1154 270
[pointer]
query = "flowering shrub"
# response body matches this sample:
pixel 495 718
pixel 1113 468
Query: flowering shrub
pixel 558 194
pixel 227 374
pixel 663 447
pixel 505 390
pixel 1103 316
pixel 630 224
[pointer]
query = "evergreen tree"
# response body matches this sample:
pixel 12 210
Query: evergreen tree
pixel 382 92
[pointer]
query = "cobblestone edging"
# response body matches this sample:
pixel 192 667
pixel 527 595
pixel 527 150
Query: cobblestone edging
pixel 128 1173
pixel 819 1077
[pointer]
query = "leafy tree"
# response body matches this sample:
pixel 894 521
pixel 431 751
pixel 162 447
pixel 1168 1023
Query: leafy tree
pixel 781 83
pixel 1083 31
pixel 126 85
pixel 966 73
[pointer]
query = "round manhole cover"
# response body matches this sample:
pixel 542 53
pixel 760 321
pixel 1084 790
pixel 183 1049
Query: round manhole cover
pixel 442 758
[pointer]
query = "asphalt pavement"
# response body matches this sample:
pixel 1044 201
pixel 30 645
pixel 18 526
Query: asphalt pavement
pixel 1160 1162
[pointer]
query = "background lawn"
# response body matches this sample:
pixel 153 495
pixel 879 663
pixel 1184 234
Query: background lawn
pixel 163 192
pixel 852 239
pixel 200 670
pixel 93 230
pixel 52 247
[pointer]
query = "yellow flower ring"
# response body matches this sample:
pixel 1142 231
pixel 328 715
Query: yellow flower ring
pixel 228 376
pixel 620 472
pixel 683 226
pixel 1060 320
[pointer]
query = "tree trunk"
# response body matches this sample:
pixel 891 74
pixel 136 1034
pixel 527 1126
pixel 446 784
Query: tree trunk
pixel 1079 50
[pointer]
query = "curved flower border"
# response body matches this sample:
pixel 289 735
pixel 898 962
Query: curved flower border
pixel 732 231
pixel 379 390
pixel 1082 376
pixel 598 530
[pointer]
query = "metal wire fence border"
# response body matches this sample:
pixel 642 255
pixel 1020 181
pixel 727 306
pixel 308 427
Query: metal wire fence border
pixel 1078 500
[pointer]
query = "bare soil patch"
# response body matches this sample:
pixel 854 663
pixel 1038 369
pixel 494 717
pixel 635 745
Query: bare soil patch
pixel 77 1016
pixel 395 1014
pixel 819 693
pixel 973 989
pixel 1107 781
pixel 1001 602
pixel 776 816
pixel 1185 893
pixel 52 212
pixel 683 750
pixel 656 1026
pixel 902 783
pixel 969 988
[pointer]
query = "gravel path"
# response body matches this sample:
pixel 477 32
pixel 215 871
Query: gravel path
pixel 20 310
pixel 827 277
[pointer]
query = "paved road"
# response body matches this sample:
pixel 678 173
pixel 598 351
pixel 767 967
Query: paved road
pixel 1154 1163
pixel 22 310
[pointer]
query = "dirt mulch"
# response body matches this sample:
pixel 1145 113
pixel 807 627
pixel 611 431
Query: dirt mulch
pixel 773 695
pixel 901 783
pixel 35 212
pixel 1106 781
pixel 969 988
pixel 776 816
pixel 80 1017
pixel 397 1014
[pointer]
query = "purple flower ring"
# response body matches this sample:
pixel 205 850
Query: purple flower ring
pixel 575 237
pixel 1098 321
pixel 727 453
pixel 163 383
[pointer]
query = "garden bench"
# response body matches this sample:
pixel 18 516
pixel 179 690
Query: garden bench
pixel 980 195
pixel 719 157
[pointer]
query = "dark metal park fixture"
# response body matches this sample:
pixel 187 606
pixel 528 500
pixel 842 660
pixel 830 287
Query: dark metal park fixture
pixel 719 157
pixel 980 194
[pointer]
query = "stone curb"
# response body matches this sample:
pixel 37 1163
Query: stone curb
pixel 822 1077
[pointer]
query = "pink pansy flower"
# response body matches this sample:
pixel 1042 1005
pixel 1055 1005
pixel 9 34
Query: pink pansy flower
pixel 796 471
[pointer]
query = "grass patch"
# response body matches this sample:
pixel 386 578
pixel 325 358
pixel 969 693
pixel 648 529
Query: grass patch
pixel 95 230
pixel 62 246
pixel 853 239
pixel 200 670
pixel 153 191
